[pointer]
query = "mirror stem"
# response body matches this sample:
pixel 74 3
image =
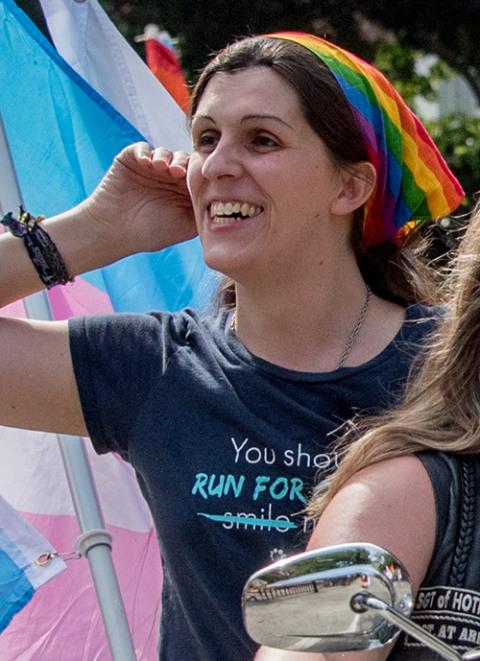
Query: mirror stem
pixel 405 624
pixel 472 654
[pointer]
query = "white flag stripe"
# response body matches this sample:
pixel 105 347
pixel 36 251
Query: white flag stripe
pixel 24 545
pixel 87 39
pixel 27 457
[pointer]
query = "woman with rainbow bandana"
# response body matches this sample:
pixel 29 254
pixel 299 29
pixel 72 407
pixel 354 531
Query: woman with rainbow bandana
pixel 308 178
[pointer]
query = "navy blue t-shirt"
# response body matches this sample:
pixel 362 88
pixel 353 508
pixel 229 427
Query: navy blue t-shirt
pixel 226 447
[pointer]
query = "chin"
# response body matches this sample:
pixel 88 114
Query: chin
pixel 229 260
pixel 216 263
pixel 220 259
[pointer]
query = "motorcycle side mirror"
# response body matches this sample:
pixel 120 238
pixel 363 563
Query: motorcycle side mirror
pixel 315 601
pixel 341 598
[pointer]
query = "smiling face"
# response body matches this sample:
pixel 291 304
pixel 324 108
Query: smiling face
pixel 261 180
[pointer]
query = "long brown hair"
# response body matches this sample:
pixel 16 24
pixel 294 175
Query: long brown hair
pixel 441 409
pixel 393 269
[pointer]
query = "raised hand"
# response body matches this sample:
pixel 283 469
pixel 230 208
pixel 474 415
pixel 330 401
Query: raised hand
pixel 143 199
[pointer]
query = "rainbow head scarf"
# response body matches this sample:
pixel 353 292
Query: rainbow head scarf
pixel 413 181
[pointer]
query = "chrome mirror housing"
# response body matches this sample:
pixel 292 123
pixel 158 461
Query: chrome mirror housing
pixel 315 601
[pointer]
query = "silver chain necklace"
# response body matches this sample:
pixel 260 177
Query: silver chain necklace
pixel 353 335
pixel 356 330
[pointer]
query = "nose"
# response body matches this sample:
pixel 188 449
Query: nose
pixel 223 161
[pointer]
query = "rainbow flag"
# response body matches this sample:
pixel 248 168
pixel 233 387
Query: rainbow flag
pixel 414 183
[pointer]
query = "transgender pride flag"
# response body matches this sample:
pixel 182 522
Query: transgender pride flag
pixel 27 561
pixel 63 135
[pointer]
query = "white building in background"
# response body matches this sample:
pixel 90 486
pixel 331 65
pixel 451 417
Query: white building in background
pixel 454 95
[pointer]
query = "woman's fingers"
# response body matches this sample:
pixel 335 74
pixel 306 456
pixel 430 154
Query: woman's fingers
pixel 175 162
pixel 141 151
pixel 161 159
pixel 178 165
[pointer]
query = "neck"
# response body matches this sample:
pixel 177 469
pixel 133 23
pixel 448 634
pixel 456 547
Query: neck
pixel 308 328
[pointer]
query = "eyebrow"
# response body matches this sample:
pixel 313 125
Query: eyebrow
pixel 245 119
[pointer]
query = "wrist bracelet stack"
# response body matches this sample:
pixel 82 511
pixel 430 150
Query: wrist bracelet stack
pixel 41 249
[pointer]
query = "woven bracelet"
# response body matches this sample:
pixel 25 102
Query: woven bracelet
pixel 41 249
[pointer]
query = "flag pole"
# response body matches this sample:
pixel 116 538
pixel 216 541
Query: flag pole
pixel 95 542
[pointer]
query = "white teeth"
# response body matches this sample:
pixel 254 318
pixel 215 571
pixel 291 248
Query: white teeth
pixel 221 212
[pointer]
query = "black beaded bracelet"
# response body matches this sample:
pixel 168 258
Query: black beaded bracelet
pixel 41 249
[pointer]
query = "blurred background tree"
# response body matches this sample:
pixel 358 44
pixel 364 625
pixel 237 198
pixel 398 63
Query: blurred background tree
pixel 394 35
pixel 449 30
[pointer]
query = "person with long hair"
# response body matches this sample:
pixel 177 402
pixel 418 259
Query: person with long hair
pixel 411 481
pixel 306 184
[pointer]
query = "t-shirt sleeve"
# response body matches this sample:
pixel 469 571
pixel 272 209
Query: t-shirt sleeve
pixel 115 359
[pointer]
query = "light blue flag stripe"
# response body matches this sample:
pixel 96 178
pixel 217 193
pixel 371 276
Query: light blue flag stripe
pixel 15 588
pixel 63 136
pixel 20 574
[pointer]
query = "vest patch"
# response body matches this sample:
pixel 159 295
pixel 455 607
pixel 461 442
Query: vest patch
pixel 450 614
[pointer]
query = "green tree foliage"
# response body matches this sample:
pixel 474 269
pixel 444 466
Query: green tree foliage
pixel 458 138
pixel 204 26
pixel 391 34
pixel 447 29
pixel 400 64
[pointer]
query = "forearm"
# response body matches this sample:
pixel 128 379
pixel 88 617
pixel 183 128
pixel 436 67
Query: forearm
pixel 141 204
pixel 82 243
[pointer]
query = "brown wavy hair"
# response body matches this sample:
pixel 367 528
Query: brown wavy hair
pixel 441 408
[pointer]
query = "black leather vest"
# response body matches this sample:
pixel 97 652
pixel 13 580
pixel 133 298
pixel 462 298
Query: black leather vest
pixel 448 603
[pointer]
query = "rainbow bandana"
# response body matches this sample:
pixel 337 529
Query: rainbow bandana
pixel 413 181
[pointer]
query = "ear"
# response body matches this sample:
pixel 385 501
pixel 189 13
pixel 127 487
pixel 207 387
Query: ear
pixel 357 184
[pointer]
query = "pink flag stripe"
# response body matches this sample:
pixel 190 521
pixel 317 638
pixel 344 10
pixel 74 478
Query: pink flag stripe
pixel 33 459
pixel 79 299
pixel 15 309
pixel 72 620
